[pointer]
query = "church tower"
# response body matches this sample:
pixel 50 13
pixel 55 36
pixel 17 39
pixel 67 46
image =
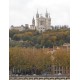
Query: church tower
pixel 46 15
pixel 37 19
pixel 33 21
pixel 37 15
pixel 49 20
pixel 43 23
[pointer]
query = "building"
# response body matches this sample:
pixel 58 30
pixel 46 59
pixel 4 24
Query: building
pixel 41 23
pixel 61 71
pixel 20 28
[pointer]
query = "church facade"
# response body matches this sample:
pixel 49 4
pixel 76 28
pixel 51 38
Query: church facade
pixel 41 23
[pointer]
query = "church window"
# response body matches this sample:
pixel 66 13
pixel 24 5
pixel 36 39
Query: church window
pixel 41 22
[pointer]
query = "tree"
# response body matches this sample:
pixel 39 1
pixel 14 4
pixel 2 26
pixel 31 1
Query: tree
pixel 29 59
pixel 62 58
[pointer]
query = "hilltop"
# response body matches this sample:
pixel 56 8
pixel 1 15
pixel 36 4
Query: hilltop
pixel 30 38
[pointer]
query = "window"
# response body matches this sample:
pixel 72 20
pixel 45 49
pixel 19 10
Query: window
pixel 55 72
pixel 61 72
pixel 60 67
pixel 41 22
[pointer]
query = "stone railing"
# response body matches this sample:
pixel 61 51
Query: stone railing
pixel 37 78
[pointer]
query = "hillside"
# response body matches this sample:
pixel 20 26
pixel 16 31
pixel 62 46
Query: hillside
pixel 32 38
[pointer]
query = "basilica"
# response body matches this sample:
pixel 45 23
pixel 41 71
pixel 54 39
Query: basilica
pixel 41 23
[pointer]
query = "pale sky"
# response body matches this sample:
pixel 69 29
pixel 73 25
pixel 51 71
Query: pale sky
pixel 21 12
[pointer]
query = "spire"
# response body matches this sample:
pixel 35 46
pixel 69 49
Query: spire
pixel 33 21
pixel 46 15
pixel 37 15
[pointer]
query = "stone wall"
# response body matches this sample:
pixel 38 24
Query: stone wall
pixel 38 78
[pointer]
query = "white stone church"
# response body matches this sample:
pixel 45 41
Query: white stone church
pixel 41 23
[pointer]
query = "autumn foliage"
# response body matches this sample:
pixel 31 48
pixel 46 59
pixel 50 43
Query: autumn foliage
pixel 32 60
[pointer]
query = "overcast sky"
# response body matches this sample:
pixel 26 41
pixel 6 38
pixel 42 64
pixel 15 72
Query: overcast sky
pixel 22 11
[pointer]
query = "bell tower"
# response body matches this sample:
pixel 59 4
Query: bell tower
pixel 33 21
pixel 37 15
pixel 37 19
pixel 46 15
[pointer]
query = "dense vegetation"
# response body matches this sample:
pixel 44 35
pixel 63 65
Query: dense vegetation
pixel 36 61
pixel 32 38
